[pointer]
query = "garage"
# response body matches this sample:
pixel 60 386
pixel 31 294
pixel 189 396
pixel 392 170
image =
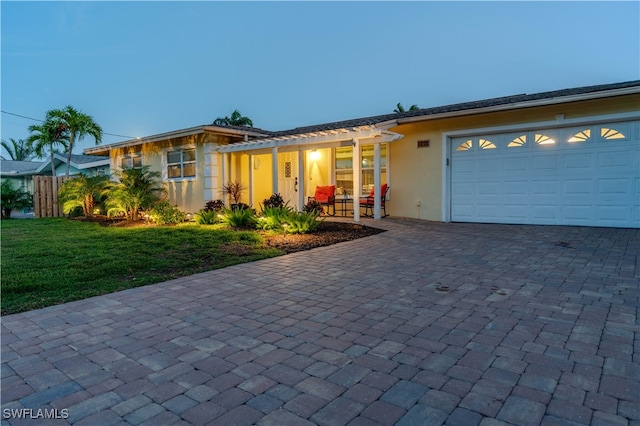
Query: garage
pixel 586 175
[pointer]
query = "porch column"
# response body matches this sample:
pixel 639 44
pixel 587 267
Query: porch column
pixel 357 186
pixel 301 179
pixel 223 174
pixel 376 182
pixel 251 180
pixel 274 169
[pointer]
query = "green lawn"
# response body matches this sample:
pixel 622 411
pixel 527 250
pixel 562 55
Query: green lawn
pixel 49 261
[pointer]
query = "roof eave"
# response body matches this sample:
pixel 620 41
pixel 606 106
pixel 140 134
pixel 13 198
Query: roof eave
pixel 173 135
pixel 523 104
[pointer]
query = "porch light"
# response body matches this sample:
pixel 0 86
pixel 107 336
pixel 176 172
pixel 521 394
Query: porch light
pixel 314 156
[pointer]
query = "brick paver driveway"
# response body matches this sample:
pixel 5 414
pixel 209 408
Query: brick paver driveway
pixel 425 324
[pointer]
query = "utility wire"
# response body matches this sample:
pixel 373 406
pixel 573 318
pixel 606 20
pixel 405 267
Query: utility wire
pixel 42 121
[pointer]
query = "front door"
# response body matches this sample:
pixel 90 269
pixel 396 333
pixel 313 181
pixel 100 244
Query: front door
pixel 288 177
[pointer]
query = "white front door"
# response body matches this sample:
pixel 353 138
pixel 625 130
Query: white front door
pixel 288 178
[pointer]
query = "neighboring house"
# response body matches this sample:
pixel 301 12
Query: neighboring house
pixel 20 173
pixel 86 164
pixel 568 157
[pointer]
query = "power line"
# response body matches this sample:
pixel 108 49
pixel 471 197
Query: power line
pixel 42 121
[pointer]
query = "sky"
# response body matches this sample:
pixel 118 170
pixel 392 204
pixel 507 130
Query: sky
pixel 144 68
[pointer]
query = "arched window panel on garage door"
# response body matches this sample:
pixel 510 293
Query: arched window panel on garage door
pixel 580 136
pixel 464 145
pixel 517 142
pixel 474 143
pixel 543 139
pixel 619 131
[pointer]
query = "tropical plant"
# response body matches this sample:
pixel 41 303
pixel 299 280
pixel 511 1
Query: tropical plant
pixel 236 119
pixel 138 189
pixel 17 150
pixel 13 198
pixel 272 218
pixel 302 223
pixel 313 206
pixel 217 205
pixel 400 108
pixel 275 200
pixel 78 125
pixel 206 217
pixel 234 190
pixel 48 136
pixel 239 218
pixel 83 191
pixel 164 213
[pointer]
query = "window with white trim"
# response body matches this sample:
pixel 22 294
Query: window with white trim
pixel 344 168
pixel 181 163
pixel 131 161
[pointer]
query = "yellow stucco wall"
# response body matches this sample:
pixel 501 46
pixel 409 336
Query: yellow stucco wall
pixel 188 194
pixel 416 173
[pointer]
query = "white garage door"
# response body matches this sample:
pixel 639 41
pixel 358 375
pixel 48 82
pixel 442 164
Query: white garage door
pixel 586 175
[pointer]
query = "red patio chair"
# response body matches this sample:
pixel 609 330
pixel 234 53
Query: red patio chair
pixel 368 201
pixel 326 196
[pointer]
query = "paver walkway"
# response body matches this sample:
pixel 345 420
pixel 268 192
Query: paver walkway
pixel 426 324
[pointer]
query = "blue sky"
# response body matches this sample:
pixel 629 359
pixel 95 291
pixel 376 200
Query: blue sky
pixel 142 68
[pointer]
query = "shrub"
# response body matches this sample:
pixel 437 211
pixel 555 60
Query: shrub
pixel 273 217
pixel 163 213
pixel 275 200
pixel 82 192
pixel 239 218
pixel 206 217
pixel 302 223
pixel 241 206
pixel 215 205
pixel 313 206
pixel 137 190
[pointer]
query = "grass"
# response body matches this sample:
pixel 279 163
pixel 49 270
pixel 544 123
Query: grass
pixel 50 261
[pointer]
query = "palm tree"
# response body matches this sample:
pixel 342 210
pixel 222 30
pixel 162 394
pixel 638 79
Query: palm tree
pixel 18 150
pixel 45 137
pixel 82 191
pixel 78 125
pixel 137 190
pixel 400 108
pixel 236 119
pixel 13 198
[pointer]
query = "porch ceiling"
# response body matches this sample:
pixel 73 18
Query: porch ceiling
pixel 325 138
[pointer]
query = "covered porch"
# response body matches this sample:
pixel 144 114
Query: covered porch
pixel 353 159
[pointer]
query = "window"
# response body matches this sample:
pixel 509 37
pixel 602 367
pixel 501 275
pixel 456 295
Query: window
pixel 486 144
pixel 610 134
pixel 519 141
pixel 131 161
pixel 580 136
pixel 543 139
pixel 344 168
pixel 465 146
pixel 181 163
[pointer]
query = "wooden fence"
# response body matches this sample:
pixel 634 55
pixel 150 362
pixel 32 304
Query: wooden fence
pixel 45 196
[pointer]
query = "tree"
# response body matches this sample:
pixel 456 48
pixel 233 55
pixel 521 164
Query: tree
pixel 45 137
pixel 78 125
pixel 400 108
pixel 13 198
pixel 82 191
pixel 18 150
pixel 137 190
pixel 236 119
